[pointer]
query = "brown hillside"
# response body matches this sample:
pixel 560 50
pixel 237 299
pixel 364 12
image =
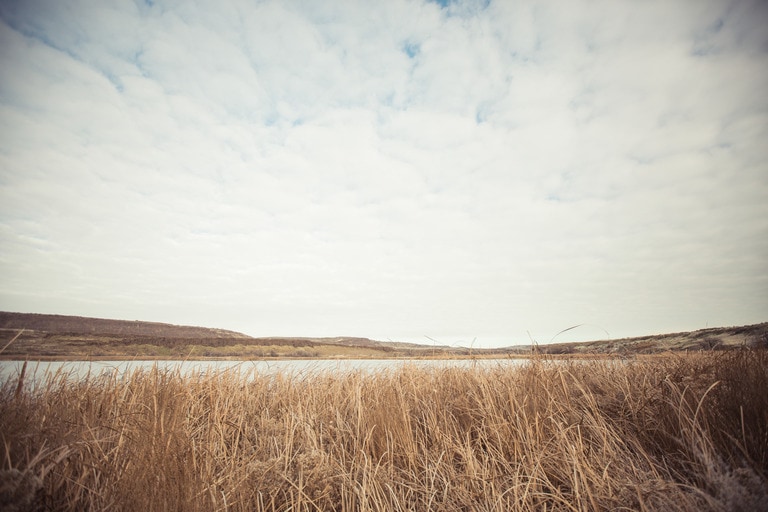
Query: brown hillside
pixel 717 338
pixel 60 324
pixel 74 337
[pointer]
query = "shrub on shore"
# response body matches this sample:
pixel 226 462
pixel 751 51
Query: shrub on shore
pixel 675 433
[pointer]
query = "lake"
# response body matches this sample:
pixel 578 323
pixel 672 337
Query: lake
pixel 38 370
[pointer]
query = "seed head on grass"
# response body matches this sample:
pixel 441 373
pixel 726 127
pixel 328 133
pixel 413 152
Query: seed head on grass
pixel 651 434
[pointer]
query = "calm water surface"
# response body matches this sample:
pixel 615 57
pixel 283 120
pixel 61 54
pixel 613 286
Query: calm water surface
pixel 39 371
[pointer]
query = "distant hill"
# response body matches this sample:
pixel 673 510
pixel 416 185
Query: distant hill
pixel 74 337
pixel 60 336
pixel 60 324
pixel 717 338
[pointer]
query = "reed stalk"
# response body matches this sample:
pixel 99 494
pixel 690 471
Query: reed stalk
pixel 682 433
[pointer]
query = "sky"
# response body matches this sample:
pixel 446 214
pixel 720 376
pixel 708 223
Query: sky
pixel 469 173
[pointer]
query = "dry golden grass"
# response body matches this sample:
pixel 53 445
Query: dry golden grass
pixel 678 433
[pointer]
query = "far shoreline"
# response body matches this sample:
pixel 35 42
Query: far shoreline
pixel 436 357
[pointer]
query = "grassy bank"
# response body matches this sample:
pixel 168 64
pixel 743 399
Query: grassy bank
pixel 678 433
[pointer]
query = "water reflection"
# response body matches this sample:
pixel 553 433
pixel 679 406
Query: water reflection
pixel 40 370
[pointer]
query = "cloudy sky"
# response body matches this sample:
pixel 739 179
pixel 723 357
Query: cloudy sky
pixel 408 169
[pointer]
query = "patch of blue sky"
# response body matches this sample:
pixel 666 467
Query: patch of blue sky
pixel 705 42
pixel 32 32
pixel 115 80
pixel 462 7
pixel 483 112
pixel 137 59
pixel 411 49
pixel 38 33
pixel 271 119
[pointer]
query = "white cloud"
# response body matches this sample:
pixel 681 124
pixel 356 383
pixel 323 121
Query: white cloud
pixel 391 170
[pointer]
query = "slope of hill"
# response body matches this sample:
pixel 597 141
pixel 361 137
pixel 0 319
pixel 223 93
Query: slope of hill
pixel 61 324
pixel 71 337
pixel 718 338
pixel 74 337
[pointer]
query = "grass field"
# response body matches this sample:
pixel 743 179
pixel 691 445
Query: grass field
pixel 686 433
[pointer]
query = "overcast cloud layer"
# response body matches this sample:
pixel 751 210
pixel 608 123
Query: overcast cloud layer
pixel 396 170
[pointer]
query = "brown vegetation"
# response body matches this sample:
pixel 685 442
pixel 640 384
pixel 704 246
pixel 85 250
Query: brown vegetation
pixel 66 337
pixel 72 337
pixel 680 433
pixel 84 325
pixel 716 338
